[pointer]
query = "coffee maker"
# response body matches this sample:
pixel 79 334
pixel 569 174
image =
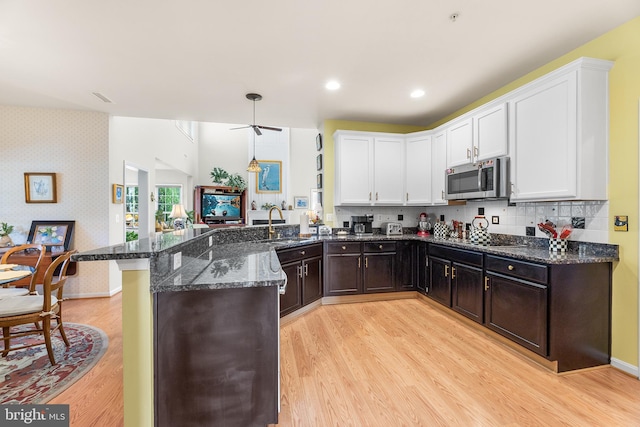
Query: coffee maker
pixel 362 224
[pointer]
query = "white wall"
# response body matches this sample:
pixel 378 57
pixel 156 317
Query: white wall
pixel 75 146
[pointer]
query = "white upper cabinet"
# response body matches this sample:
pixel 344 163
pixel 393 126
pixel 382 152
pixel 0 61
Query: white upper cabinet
pixel 353 168
pixel 490 132
pixel 388 170
pixel 479 135
pixel 418 169
pixel 559 134
pixel 438 167
pixel 459 142
pixel 369 168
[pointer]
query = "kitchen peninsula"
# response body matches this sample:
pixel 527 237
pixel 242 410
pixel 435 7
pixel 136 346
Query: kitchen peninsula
pixel 175 284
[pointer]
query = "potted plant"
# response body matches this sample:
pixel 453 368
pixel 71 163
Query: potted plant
pixel 5 230
pixel 219 175
pixel 236 181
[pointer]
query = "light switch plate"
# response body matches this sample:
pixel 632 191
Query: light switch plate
pixel 177 260
pixel 210 240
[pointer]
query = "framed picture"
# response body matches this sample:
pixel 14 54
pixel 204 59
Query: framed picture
pixel 319 162
pixel 319 142
pixel 117 193
pixel 319 180
pixel 269 180
pixel 40 187
pixel 52 234
pixel 301 202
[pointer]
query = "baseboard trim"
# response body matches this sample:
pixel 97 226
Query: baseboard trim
pixel 625 367
pixel 349 299
pixel 300 312
pixel 94 295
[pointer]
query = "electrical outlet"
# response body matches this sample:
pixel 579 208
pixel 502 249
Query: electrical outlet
pixel 379 217
pixel 400 217
pixel 480 211
pixel 177 260
pixel 210 255
pixel 328 217
pixel 345 224
pixel 210 241
pixel 531 231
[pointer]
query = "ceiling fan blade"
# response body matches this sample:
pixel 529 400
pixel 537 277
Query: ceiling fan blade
pixel 242 127
pixel 269 128
pixel 256 129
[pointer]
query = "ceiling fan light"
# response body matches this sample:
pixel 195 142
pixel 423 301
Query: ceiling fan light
pixel 254 166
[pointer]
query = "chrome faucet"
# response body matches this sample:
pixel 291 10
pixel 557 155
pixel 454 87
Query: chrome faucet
pixel 271 230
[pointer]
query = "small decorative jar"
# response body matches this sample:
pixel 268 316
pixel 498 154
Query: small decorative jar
pixel 558 245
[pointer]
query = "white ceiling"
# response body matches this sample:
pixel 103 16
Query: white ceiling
pixel 196 59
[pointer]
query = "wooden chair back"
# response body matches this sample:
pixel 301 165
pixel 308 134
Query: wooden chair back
pixel 35 263
pixel 55 283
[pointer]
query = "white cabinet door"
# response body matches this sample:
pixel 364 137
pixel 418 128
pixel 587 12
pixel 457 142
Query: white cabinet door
pixel 460 143
pixel 543 128
pixel 418 170
pixel 490 133
pixel 388 171
pixel 438 167
pixel 354 169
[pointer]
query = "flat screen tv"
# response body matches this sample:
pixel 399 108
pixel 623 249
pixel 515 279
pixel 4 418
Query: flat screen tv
pixel 227 205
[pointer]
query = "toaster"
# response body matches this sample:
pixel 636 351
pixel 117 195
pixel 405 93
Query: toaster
pixel 392 229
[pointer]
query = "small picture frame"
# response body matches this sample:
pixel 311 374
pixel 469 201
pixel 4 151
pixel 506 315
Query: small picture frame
pixel 319 142
pixel 40 187
pixel 621 223
pixel 52 234
pixel 319 162
pixel 117 193
pixel 319 180
pixel 301 202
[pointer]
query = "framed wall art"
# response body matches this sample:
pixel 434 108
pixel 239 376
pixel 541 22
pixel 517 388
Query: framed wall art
pixel 319 162
pixel 319 142
pixel 301 202
pixel 269 179
pixel 117 193
pixel 52 234
pixel 319 180
pixel 40 187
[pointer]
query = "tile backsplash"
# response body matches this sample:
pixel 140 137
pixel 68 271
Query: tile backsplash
pixel 511 219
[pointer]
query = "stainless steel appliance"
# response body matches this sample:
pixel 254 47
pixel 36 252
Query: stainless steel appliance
pixel 392 228
pixel 362 224
pixel 488 179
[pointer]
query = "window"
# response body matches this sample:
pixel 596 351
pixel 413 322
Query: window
pixel 131 206
pixel 167 197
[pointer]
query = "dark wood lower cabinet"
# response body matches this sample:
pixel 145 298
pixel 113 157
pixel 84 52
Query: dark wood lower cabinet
pixel 303 267
pixel 422 267
pixel 406 265
pixel 517 309
pixel 291 300
pixel 379 272
pixel 216 357
pixel 440 280
pixel 343 269
pixel 467 293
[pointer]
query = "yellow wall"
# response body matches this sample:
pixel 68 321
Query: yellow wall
pixel 621 45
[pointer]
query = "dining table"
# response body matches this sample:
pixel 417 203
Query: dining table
pixel 11 273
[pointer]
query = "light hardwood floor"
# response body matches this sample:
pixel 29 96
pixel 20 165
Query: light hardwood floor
pixel 387 363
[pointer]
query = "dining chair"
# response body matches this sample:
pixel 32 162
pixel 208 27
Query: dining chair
pixel 37 311
pixel 31 261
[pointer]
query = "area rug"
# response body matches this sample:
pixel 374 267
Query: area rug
pixel 27 376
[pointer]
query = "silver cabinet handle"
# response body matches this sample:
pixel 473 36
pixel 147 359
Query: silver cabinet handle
pixel 306 269
pixel 299 268
pixel 283 288
pixel 468 153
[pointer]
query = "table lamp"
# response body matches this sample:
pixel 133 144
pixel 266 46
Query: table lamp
pixel 178 214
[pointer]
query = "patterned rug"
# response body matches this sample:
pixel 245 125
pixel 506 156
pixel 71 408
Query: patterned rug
pixel 26 376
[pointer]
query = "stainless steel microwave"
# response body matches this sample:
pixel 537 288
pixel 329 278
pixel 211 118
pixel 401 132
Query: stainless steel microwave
pixel 488 179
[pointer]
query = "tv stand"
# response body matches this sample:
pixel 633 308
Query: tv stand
pixel 218 220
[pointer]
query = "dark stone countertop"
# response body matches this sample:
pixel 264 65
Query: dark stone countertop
pixel 244 257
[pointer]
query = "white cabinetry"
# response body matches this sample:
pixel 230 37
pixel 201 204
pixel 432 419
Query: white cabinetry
pixel 418 169
pixel 388 171
pixel 438 166
pixel 369 168
pixel 354 168
pixel 559 134
pixel 479 135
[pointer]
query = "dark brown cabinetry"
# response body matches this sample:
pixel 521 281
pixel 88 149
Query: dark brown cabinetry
pixel 406 265
pixel 456 280
pixel 343 269
pixel 379 267
pixel 303 267
pixel 216 357
pixel 422 267
pixel 354 268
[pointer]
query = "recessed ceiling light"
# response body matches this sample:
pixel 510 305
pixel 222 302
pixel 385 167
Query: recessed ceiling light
pixel 332 85
pixel 418 93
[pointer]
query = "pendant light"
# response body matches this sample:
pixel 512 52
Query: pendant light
pixel 254 166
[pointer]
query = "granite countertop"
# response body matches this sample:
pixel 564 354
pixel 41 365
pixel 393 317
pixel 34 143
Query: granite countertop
pixel 244 257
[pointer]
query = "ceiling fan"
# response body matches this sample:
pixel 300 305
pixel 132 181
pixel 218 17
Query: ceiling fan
pixel 256 97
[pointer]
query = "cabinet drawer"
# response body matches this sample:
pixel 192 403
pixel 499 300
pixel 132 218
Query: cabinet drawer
pixel 343 247
pixel 380 247
pixel 521 269
pixel 456 255
pixel 301 252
